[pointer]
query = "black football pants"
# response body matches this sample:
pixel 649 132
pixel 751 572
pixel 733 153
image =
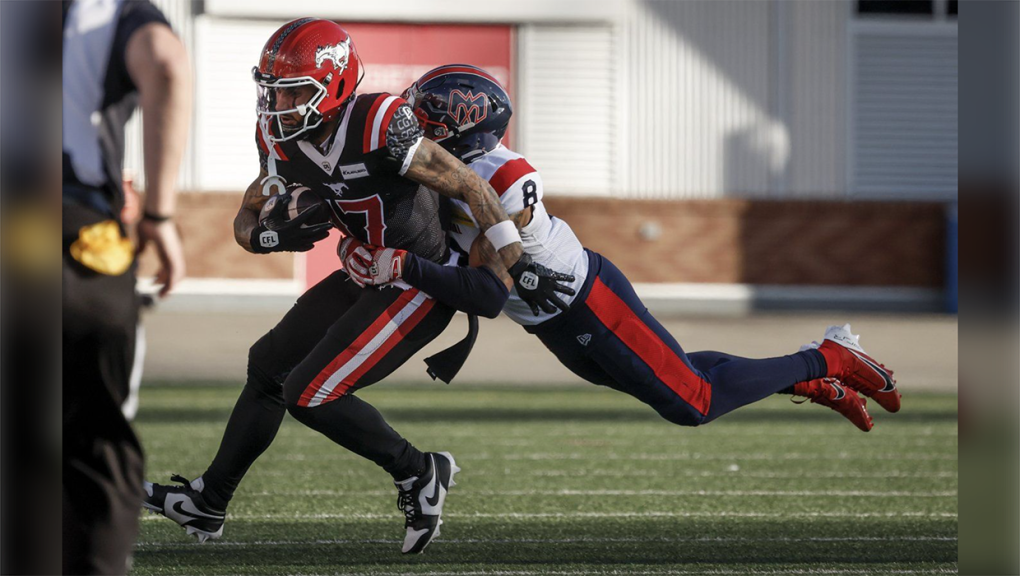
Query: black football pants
pixel 336 339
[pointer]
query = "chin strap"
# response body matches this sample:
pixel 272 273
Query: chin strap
pixel 274 179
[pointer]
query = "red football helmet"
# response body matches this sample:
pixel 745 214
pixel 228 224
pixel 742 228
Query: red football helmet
pixel 306 52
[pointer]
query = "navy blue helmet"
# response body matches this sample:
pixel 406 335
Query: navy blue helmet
pixel 462 108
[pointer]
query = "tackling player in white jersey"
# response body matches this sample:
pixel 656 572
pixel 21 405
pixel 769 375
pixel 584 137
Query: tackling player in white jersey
pixel 599 328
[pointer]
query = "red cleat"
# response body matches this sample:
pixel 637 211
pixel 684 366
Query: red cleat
pixel 829 392
pixel 848 363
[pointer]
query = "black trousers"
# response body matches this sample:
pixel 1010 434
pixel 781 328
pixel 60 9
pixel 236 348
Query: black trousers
pixel 102 458
pixel 337 339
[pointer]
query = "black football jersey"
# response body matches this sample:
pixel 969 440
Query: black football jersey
pixel 359 171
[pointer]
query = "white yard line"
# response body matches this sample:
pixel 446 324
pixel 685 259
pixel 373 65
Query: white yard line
pixel 709 572
pixel 615 473
pixel 727 457
pixel 698 493
pixel 596 456
pixel 575 515
pixel 709 540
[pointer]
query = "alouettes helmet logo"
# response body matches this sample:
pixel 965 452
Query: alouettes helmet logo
pixel 338 53
pixel 468 108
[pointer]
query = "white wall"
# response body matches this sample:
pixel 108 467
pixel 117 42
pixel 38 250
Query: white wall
pixel 736 99
pixel 181 17
pixel 518 11
pixel 903 116
pixel 567 106
pixel 655 98
pixel 226 157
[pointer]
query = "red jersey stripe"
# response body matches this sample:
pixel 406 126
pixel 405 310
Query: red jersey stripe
pixel 612 311
pixel 508 173
pixel 369 118
pixel 405 328
pixel 384 126
pixel 261 139
pixel 363 339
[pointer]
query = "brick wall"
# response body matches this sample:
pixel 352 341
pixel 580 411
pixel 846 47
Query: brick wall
pixel 765 242
pixel 756 242
pixel 207 227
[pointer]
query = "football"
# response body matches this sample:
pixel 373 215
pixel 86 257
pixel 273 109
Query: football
pixel 297 199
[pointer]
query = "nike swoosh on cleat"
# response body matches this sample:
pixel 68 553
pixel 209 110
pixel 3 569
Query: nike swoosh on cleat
pixel 840 393
pixel 178 507
pixel 434 499
pixel 889 384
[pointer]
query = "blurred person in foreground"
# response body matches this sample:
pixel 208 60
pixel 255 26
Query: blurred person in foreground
pixel 30 292
pixel 117 55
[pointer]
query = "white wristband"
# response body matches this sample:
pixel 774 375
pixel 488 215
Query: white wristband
pixel 503 234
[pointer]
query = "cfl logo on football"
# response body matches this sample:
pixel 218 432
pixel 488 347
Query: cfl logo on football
pixel 269 239
pixel 529 281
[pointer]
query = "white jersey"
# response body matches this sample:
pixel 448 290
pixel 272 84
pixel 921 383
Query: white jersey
pixel 548 240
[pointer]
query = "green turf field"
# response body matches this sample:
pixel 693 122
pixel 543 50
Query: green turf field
pixel 575 481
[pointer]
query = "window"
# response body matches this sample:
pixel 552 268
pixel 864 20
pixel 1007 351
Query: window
pixel 938 9
pixel 903 100
pixel 906 7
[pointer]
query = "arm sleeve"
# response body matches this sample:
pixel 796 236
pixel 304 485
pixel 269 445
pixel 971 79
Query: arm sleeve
pixel 472 290
pixel 397 136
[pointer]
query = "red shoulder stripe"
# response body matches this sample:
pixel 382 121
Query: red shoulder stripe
pixel 509 173
pixel 385 124
pixel 369 118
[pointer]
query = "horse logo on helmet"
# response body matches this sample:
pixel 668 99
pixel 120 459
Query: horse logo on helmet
pixel 338 53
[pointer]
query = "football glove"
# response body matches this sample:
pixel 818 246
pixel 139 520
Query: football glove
pixel 387 265
pixel 277 234
pixel 538 285
pixel 356 258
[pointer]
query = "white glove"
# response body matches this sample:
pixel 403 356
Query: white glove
pixel 387 265
pixel 356 259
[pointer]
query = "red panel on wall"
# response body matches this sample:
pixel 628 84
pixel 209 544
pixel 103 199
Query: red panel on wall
pixel 395 55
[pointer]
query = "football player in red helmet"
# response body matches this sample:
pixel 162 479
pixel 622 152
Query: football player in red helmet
pixel 365 156
pixel 600 329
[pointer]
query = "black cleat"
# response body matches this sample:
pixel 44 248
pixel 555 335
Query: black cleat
pixel 421 500
pixel 185 506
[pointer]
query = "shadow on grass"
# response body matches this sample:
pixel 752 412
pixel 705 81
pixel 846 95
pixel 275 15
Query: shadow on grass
pixel 795 414
pixel 318 546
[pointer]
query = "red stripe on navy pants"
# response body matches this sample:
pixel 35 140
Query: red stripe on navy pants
pixel 614 313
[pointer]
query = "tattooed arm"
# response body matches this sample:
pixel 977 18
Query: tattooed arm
pixel 440 171
pixel 247 218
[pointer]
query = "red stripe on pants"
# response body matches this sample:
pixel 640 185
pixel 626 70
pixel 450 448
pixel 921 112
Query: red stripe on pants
pixel 612 311
pixel 363 339
pixel 405 327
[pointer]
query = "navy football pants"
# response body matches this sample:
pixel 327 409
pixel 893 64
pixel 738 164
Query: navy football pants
pixel 609 338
